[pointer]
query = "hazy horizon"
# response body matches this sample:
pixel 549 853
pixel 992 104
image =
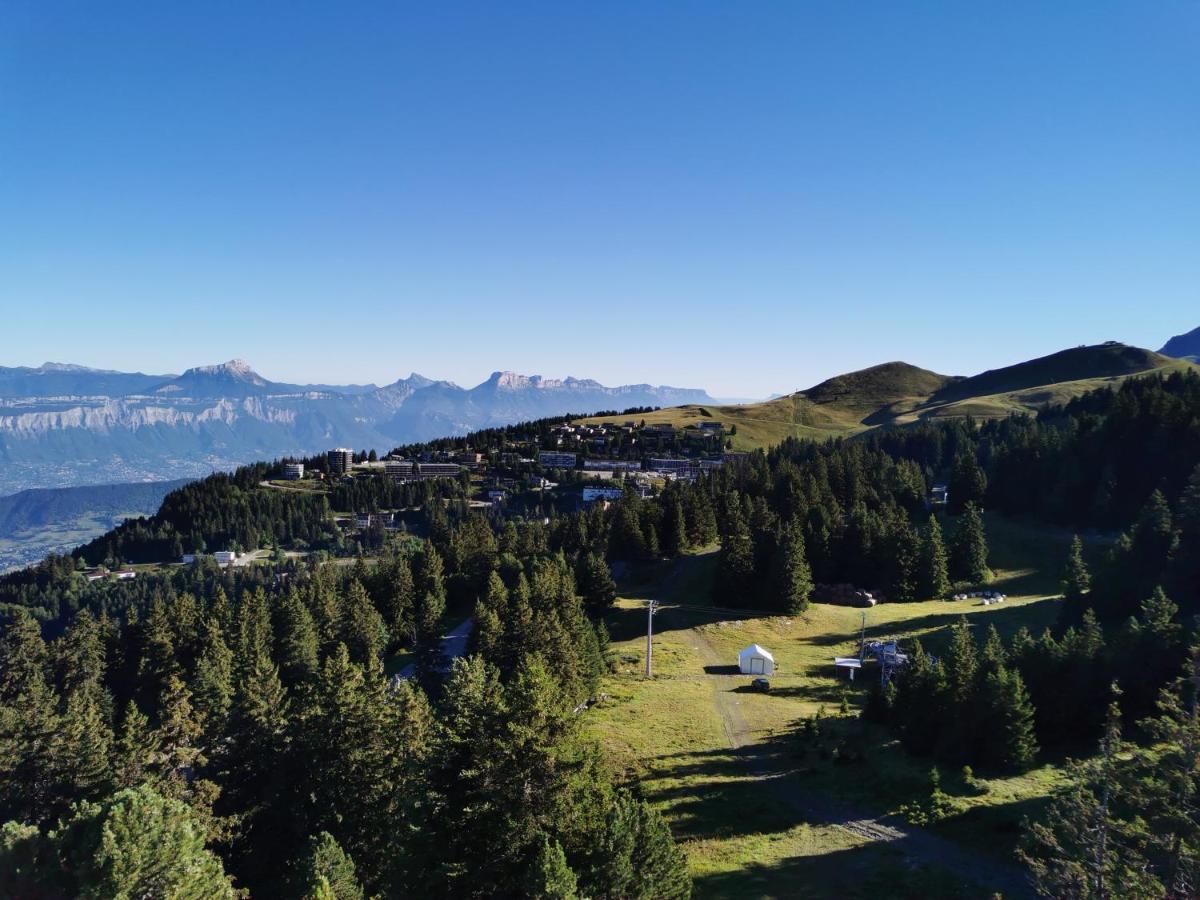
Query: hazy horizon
pixel 474 380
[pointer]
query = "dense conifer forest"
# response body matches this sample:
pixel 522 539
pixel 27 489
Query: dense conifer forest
pixel 238 725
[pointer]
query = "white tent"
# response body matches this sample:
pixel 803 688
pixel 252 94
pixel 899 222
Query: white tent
pixel 756 660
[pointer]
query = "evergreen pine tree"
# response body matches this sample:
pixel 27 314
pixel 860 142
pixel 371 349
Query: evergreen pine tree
pixel 1076 580
pixel 80 656
pixel 549 877
pixel 702 528
pixel 83 748
pixel 790 577
pixel 136 749
pixel 488 636
pixel 1007 716
pixel 1167 780
pixel 29 723
pixel 158 663
pixel 299 642
pixel 596 585
pixel 653 550
pixel 1185 562
pixel 431 605
pixel 135 844
pixel 935 565
pixel 212 686
pixel 968 484
pixel 179 738
pixel 660 866
pixel 959 733
pixel 399 598
pixel 1081 848
pixel 363 631
pixel 969 557
pixel 253 630
pixel 993 655
pixel 734 582
pixel 328 872
pixel 904 560
pixel 675 535
pixel 961 662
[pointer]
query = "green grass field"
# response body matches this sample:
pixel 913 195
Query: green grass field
pixel 758 812
pixel 898 394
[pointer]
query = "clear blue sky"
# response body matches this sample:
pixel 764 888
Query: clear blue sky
pixel 746 197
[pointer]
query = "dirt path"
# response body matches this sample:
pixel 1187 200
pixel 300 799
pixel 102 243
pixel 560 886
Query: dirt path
pixel 917 845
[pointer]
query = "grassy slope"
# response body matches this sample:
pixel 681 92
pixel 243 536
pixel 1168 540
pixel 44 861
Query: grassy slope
pixel 897 393
pixel 667 733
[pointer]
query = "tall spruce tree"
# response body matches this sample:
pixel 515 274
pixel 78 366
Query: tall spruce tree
pixel 299 641
pixel 790 577
pixel 136 750
pixel 1081 847
pixel 327 871
pixel 904 560
pixel 734 582
pixel 969 557
pixel 674 535
pixel 1076 580
pixel 83 749
pixel 431 606
pixel 1166 775
pixel 399 598
pixel 363 631
pixel 212 685
pixel 136 843
pixel 549 877
pixel 1007 718
pixel 596 585
pixel 968 483
pixel 29 723
pixel 934 575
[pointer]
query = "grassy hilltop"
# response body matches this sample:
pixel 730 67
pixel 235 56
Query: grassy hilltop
pixel 896 393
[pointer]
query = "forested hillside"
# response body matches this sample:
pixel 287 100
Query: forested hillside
pixel 238 722
pixel 897 393
pixel 36 522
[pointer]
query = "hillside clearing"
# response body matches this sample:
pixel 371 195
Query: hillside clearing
pixel 750 803
pixel 899 394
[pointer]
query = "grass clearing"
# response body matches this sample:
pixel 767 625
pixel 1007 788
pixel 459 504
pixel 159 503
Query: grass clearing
pixel 898 394
pixel 685 736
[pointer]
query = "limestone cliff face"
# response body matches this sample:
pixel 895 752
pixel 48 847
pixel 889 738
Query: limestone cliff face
pixel 65 425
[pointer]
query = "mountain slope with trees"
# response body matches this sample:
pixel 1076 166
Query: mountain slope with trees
pixel 899 394
pixel 243 716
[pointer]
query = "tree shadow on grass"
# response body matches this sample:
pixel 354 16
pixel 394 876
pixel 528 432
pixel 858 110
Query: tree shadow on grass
pixel 625 623
pixel 1007 620
pixel 722 670
pixel 856 873
pixel 770 786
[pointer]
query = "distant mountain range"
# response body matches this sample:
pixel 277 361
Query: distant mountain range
pixel 1184 346
pixel 63 425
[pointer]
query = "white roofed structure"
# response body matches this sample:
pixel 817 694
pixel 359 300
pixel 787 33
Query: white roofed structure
pixel 756 660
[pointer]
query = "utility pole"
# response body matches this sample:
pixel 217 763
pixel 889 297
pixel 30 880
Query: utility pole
pixel 651 609
pixel 862 639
